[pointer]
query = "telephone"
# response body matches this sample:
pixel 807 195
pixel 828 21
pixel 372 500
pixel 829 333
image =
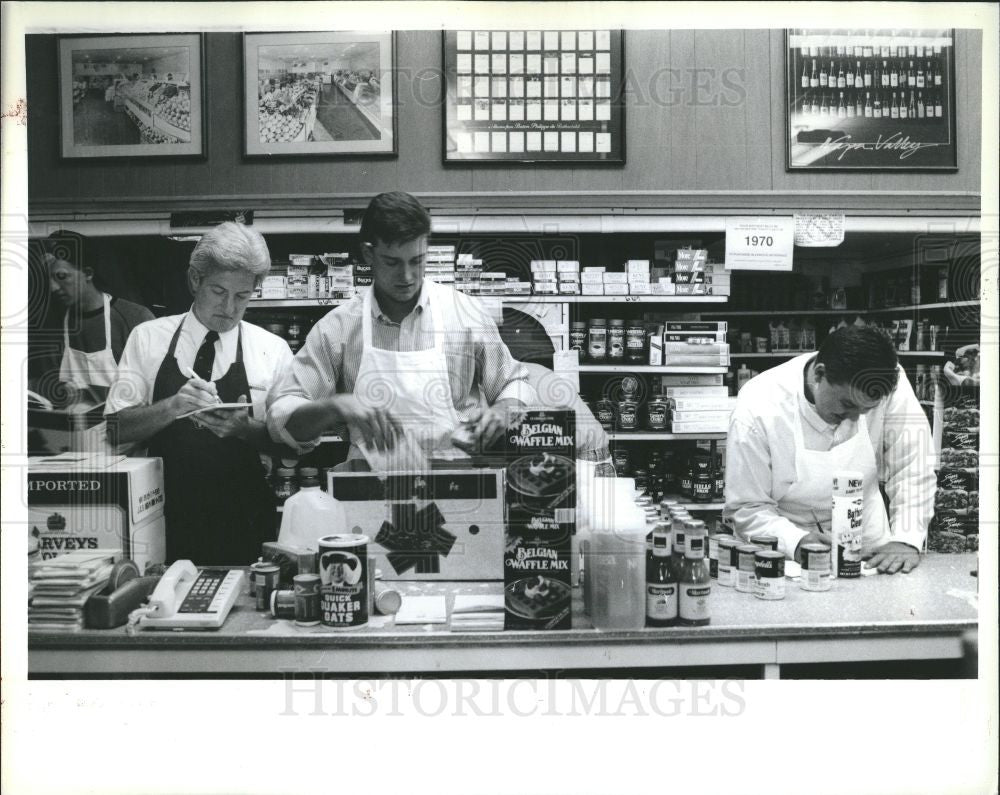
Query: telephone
pixel 188 599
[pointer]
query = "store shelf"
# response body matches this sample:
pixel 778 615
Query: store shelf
pixel 915 307
pixel 771 355
pixel 646 368
pixel 648 436
pixel 291 303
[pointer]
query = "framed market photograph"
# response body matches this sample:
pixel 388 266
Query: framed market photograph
pixel 320 93
pixel 131 96
pixel 874 100
pixel 530 96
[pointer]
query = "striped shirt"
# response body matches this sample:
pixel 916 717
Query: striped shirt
pixel 479 364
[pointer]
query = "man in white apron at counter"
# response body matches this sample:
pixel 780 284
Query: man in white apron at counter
pixel 95 326
pixel 405 364
pixel 847 407
pixel 219 507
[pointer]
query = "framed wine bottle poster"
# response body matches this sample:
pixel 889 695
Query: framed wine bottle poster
pixel 528 96
pixel 871 100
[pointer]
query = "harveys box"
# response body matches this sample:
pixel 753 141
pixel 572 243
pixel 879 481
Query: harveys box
pixel 541 519
pixel 85 501
pixel 445 524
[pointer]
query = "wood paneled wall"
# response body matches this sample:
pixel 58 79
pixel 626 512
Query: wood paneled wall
pixel 705 111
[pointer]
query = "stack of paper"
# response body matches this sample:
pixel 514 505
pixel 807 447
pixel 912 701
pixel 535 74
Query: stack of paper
pixel 59 588
pixel 422 610
pixel 477 613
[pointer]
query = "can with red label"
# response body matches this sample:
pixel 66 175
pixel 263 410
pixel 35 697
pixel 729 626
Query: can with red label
pixel 343 571
pixel 307 598
pixel 264 579
pixel 769 575
pixel 817 568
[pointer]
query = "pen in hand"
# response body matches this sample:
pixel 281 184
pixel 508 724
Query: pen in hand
pixel 190 373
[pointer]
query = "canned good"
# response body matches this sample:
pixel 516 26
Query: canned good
pixel 343 571
pixel 283 604
pixel 745 570
pixel 597 339
pixel 264 578
pixel 578 337
pixel 307 599
pixel 285 484
pixel 765 541
pixel 713 555
pixel 635 342
pixel 616 340
pixel 728 561
pixel 817 574
pixel 769 575
pixel 386 601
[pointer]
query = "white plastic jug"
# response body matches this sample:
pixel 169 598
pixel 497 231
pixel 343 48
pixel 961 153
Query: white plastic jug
pixel 615 568
pixel 308 515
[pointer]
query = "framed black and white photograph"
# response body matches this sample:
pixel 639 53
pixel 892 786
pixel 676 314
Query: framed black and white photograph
pixel 528 96
pixel 131 96
pixel 875 100
pixel 319 93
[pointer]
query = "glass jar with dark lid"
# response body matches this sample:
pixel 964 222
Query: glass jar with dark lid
pixel 285 484
pixel 616 340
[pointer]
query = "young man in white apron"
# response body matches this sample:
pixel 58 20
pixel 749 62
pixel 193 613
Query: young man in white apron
pixel 405 365
pixel 96 327
pixel 847 407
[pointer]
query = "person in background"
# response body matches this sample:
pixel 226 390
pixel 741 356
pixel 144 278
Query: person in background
pixel 847 407
pixel 407 360
pixel 219 506
pixel 95 326
pixel 529 343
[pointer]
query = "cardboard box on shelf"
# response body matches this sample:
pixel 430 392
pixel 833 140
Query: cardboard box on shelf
pixel 637 266
pixel 639 288
pixel 80 501
pixel 615 288
pixel 616 277
pixel 591 278
pixel 589 288
pixel 568 266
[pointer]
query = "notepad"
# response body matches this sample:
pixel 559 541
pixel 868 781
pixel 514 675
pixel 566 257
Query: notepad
pixel 422 610
pixel 215 407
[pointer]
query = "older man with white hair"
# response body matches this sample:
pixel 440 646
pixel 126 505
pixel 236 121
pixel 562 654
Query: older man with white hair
pixel 219 507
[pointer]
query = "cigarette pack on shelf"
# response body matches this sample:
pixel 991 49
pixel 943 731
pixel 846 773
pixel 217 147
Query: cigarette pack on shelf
pixel 663 287
pixel 717 418
pixel 439 525
pixel 588 277
pixel 637 266
pixel 298 286
pixel 615 277
pixel 273 287
pixel 514 287
pixel 723 403
pixel 720 425
pixel 696 360
pixel 80 501
pixel 569 288
pixel 567 266
pixel 588 288
pixel 695 390
pixel 639 288
pixel 615 288
pixel 541 500
pixel 681 380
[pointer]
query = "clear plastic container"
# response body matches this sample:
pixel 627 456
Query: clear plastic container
pixel 616 568
pixel 310 514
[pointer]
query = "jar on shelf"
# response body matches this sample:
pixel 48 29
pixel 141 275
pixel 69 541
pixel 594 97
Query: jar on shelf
pixel 285 484
pixel 628 406
pixel 687 479
pixel 635 342
pixel 657 411
pixel 616 340
pixel 597 339
pixel 622 461
pixel 605 413
pixel 578 337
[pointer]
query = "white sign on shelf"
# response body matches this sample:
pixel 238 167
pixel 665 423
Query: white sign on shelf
pixel 760 243
pixel 819 229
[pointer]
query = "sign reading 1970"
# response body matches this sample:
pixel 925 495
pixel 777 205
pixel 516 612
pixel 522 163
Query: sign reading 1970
pixel 871 100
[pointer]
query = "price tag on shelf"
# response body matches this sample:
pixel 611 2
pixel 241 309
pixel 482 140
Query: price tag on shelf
pixel 819 229
pixel 760 244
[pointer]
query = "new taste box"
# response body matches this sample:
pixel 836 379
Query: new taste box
pixel 85 501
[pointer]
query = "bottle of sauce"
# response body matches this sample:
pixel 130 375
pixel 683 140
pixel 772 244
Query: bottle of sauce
pixel 616 341
pixel 687 480
pixel 719 482
pixel 695 582
pixel 677 552
pixel 597 340
pixel 657 411
pixel 661 587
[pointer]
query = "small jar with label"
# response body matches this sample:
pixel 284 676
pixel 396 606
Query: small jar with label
pixel 285 484
pixel 702 486
pixel 622 461
pixel 616 340
pixel 719 479
pixel 578 337
pixel 641 477
pixel 597 339
pixel 628 406
pixel 687 480
pixel 635 342
pixel 605 413
pixel 657 411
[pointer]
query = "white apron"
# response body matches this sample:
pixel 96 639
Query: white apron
pixel 414 386
pixel 809 500
pixel 84 370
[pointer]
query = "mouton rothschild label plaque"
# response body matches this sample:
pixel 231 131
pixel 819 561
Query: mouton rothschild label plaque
pixel 541 519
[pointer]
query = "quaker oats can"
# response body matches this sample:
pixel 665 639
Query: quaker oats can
pixel 817 570
pixel 745 567
pixel 769 575
pixel 343 572
pixel 728 560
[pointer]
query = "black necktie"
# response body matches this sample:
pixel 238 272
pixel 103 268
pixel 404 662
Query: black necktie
pixel 206 357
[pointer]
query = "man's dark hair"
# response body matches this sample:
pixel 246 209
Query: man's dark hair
pixel 862 356
pixel 394 217
pixel 72 247
pixel 526 338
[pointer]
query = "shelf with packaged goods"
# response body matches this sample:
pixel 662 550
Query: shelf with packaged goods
pixel 298 303
pixel 918 307
pixel 679 369
pixel 648 436
pixel 805 312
